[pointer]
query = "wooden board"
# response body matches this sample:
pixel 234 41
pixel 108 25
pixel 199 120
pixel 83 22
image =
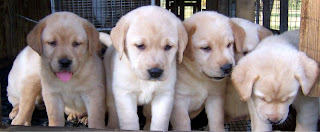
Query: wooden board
pixel 310 34
pixel 245 9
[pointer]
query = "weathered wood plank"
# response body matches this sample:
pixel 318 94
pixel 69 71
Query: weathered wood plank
pixel 310 35
pixel 3 49
pixel 245 9
pixel 16 27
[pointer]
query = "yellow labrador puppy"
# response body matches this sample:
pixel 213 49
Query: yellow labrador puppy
pixel 253 34
pixel 141 66
pixel 202 76
pixel 24 89
pixel 71 71
pixel 274 76
pixel 24 86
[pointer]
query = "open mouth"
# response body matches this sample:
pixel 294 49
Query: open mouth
pixel 64 76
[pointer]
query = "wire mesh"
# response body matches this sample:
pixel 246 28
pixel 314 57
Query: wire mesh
pixel 294 12
pixel 104 14
pixel 241 125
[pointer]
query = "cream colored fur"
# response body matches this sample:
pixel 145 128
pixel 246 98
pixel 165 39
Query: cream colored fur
pixel 235 108
pixel 24 86
pixel 85 92
pixel 127 65
pixel 200 81
pixel 274 76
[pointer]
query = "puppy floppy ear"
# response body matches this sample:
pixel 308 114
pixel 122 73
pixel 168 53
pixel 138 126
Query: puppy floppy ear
pixel 118 35
pixel 239 35
pixel 183 40
pixel 243 79
pixel 34 37
pixel 307 74
pixel 93 37
pixel 189 51
pixel 263 33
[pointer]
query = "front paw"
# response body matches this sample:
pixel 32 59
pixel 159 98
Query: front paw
pixel 18 121
pixel 72 118
pixel 14 112
pixel 83 119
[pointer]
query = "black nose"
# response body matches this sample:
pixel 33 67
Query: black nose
pixel 274 122
pixel 226 68
pixel 65 63
pixel 155 72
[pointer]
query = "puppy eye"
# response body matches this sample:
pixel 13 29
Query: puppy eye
pixel 229 45
pixel 167 47
pixel 141 46
pixel 245 52
pixel 206 48
pixel 75 44
pixel 52 43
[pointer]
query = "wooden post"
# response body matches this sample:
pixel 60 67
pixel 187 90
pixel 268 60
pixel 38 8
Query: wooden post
pixel 310 35
pixel 258 11
pixel 266 13
pixel 181 9
pixel 245 9
pixel 198 6
pixel 223 7
pixel 3 12
pixel 157 2
pixel 283 15
pixel 212 5
pixel 0 106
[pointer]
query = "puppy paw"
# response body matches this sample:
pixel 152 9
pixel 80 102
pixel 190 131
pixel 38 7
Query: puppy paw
pixel 14 112
pixel 72 117
pixel 83 119
pixel 18 121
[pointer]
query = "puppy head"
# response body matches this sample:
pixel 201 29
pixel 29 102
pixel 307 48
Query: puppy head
pixel 65 41
pixel 273 84
pixel 150 43
pixel 252 35
pixel 212 38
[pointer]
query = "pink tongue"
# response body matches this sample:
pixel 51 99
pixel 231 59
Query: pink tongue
pixel 64 76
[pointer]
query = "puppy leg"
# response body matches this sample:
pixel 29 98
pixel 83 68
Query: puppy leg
pixel 14 112
pixel 55 109
pixel 113 121
pixel 95 105
pixel 256 123
pixel 215 112
pixel 126 104
pixel 147 113
pixel 161 110
pixel 27 101
pixel 307 113
pixel 180 119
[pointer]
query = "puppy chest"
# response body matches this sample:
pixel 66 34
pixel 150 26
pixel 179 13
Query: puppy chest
pixel 74 101
pixel 144 96
pixel 195 94
pixel 197 101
